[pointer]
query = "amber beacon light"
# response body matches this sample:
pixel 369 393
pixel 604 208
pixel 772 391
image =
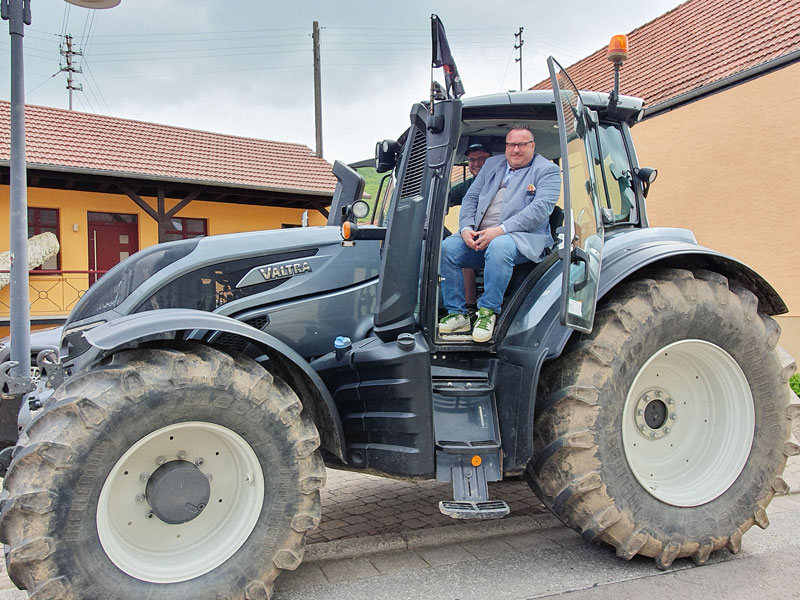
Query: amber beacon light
pixel 618 49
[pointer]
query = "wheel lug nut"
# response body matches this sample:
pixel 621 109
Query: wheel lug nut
pixel 643 427
pixel 144 476
pixel 181 455
pixel 160 460
pixel 149 514
pixel 670 401
pixel 209 476
pixel 199 461
pixel 673 416
pixel 640 412
pixel 666 429
pixel 140 497
pixel 658 394
pixel 652 434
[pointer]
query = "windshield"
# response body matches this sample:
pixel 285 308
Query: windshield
pixel 381 212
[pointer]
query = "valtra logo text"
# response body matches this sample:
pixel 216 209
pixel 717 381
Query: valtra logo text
pixel 282 271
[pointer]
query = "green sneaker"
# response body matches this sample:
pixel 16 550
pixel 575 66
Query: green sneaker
pixel 484 326
pixel 454 323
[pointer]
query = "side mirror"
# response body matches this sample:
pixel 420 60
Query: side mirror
pixel 646 175
pixel 386 155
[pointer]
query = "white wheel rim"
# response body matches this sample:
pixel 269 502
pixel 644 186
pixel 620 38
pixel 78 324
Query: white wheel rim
pixel 706 436
pixel 151 550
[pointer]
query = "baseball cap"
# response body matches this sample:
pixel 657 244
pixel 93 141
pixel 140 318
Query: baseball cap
pixel 473 147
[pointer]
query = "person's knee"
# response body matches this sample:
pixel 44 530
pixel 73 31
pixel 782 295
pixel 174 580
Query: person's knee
pixel 453 247
pixel 501 250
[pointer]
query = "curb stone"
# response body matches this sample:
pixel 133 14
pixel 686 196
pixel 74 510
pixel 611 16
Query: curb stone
pixel 437 536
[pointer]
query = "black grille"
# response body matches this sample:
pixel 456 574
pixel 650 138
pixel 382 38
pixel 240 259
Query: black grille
pixel 237 342
pixel 232 342
pixel 258 322
pixel 415 169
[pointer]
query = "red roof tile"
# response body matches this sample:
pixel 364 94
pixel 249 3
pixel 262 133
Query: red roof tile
pixel 695 44
pixel 64 138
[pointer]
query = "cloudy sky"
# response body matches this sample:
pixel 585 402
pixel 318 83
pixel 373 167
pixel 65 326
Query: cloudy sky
pixel 244 67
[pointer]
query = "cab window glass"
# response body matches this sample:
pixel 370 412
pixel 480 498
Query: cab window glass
pixel 617 175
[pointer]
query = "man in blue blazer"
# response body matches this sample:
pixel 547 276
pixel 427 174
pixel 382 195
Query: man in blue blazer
pixel 504 221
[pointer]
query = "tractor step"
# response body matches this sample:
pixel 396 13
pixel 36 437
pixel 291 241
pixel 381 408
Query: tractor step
pixel 488 509
pixel 467 445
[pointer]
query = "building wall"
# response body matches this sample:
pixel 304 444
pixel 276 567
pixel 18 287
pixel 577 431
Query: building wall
pixel 51 293
pixel 727 170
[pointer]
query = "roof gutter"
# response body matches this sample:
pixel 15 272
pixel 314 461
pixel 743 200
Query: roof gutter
pixel 167 179
pixel 722 84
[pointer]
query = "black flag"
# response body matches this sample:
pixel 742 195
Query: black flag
pixel 443 58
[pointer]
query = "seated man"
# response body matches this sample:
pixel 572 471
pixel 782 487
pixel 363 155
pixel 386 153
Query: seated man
pixel 504 221
pixel 476 157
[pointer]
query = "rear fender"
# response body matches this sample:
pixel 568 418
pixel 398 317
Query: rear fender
pixel 204 326
pixel 536 324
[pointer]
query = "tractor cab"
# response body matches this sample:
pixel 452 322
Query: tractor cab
pixel 416 402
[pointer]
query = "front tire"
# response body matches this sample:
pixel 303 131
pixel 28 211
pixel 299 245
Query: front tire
pixel 665 431
pixel 184 473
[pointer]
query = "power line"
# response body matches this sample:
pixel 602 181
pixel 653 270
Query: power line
pixel 204 49
pixel 94 79
pixel 42 83
pixel 204 41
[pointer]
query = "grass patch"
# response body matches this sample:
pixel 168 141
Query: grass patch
pixel 794 382
pixel 372 180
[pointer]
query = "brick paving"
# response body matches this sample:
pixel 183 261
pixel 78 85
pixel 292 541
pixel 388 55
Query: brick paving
pixel 358 505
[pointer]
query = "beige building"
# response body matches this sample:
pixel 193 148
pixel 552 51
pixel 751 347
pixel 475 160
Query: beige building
pixel 721 82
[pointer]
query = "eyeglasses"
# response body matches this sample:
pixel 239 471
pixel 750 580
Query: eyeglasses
pixel 477 161
pixel 515 145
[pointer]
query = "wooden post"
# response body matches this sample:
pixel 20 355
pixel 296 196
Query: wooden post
pixel 317 89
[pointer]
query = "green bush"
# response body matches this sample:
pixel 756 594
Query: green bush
pixel 794 382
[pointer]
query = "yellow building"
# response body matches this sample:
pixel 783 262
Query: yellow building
pixel 108 187
pixel 721 82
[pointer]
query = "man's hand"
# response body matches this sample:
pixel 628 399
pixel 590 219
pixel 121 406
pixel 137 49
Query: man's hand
pixel 469 238
pixel 484 236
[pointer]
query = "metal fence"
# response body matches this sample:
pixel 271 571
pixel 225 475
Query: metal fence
pixel 52 292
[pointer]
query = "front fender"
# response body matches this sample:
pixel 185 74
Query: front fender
pixel 537 326
pixel 204 325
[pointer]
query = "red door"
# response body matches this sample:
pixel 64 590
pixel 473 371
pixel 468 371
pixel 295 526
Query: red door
pixel 113 237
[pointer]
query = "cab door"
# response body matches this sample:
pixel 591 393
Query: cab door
pixel 581 249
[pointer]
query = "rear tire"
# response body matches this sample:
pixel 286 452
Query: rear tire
pixel 665 431
pixel 80 520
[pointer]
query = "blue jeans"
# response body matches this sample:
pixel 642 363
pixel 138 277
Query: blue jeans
pixel 497 260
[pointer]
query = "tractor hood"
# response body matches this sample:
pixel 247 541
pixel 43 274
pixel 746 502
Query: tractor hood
pixel 228 274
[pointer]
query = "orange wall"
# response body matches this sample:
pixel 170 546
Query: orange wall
pixel 73 206
pixel 727 170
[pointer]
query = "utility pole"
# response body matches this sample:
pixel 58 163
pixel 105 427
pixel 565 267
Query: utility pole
pixel 317 89
pixel 69 53
pixel 15 374
pixel 519 59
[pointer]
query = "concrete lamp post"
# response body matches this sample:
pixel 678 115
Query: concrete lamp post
pixel 15 374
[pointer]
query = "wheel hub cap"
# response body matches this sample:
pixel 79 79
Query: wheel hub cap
pixel 177 492
pixel 655 413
